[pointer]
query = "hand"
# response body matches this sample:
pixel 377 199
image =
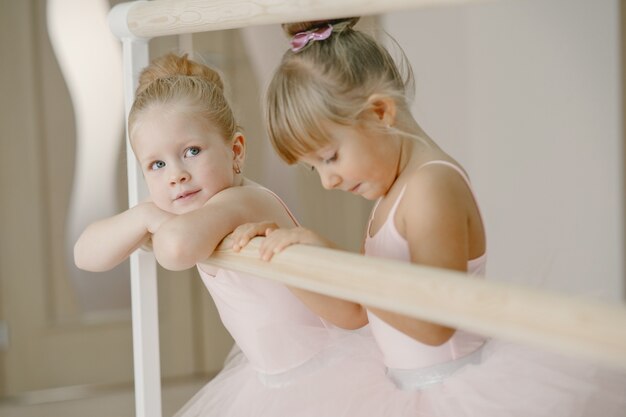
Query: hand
pixel 276 239
pixel 242 235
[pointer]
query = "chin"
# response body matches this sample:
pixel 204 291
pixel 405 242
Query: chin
pixel 370 195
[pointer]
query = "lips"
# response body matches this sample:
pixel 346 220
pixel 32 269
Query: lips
pixel 355 188
pixel 185 195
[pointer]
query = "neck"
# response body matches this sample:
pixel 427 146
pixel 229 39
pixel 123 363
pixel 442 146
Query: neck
pixel 415 146
pixel 404 156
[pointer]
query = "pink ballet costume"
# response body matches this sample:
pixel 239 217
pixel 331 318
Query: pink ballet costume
pixel 470 375
pixel 287 362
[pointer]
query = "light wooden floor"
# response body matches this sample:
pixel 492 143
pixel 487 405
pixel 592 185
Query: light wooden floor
pixel 115 402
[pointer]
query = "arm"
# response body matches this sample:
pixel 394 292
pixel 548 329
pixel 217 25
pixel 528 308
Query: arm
pixel 104 244
pixel 433 218
pixel 342 313
pixel 190 238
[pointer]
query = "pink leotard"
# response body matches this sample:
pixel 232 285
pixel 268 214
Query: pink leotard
pixel 400 351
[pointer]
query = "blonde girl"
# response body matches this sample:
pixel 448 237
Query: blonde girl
pixel 339 104
pixel 191 152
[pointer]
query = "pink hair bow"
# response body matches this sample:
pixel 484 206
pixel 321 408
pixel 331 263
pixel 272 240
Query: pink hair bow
pixel 301 39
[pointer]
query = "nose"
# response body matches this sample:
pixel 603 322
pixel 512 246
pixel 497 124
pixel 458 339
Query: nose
pixel 179 176
pixel 330 180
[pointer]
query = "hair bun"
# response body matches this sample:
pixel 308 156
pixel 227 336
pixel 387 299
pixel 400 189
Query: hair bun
pixel 338 25
pixel 173 65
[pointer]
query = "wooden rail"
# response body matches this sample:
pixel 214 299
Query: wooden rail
pixel 567 324
pixel 148 19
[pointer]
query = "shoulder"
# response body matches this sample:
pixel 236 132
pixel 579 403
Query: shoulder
pixel 247 193
pixel 433 194
pixel 254 203
pixel 435 184
pixel 433 216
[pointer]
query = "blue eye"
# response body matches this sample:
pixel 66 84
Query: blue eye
pixel 192 151
pixel 157 165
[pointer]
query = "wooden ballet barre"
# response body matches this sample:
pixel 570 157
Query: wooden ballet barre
pixel 147 19
pixel 565 324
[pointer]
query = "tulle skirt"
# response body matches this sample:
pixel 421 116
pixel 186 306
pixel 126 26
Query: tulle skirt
pixel 326 385
pixel 509 380
pixel 349 379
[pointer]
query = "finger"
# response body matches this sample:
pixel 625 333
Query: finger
pixel 266 253
pixel 245 239
pixel 277 245
pixel 284 245
pixel 239 244
pixel 247 235
pixel 237 237
pixel 236 234
pixel 270 244
pixel 266 247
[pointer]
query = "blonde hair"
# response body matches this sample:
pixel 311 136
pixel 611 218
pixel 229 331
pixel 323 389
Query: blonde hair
pixel 329 80
pixel 172 79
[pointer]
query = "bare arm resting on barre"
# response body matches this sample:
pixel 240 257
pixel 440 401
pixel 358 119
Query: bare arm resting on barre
pixel 342 313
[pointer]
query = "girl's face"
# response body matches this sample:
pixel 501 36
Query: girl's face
pixel 356 161
pixel 185 160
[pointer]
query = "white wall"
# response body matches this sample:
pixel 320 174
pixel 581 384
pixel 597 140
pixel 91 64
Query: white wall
pixel 526 94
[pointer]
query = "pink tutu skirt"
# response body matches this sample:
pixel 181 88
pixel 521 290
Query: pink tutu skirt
pixel 349 379
pixel 326 385
pixel 507 380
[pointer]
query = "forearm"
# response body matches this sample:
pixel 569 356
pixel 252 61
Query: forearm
pixel 183 241
pixel 106 243
pixel 173 248
pixel 341 313
pixel 423 331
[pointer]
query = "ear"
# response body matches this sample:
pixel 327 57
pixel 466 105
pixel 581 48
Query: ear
pixel 382 108
pixel 239 148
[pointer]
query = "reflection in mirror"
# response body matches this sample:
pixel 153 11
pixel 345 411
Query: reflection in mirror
pixel 90 60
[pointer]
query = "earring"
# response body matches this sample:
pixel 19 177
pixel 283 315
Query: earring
pixel 237 169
